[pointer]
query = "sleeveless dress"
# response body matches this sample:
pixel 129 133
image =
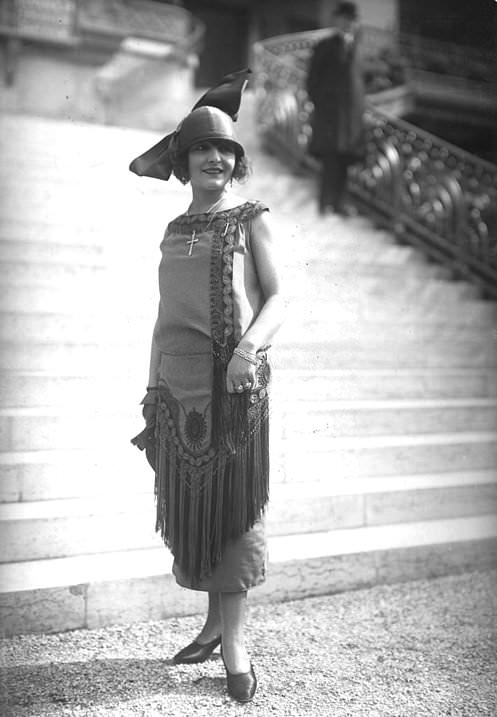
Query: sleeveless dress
pixel 212 454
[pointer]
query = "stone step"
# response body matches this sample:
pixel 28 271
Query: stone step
pixel 91 591
pixel 369 292
pixel 328 384
pixel 39 302
pixel 72 231
pixel 392 417
pixel 67 328
pixel 40 429
pixel 36 475
pixel 39 290
pixel 347 271
pixel 61 170
pixel 343 272
pixel 26 275
pixel 377 353
pixel 76 426
pixel 346 275
pixel 40 389
pixel 131 222
pixel 130 209
pixel 62 528
pixel 339 274
pixel 384 455
pixel 36 389
pixel 50 252
pixel 79 359
pixel 47 475
pixel 350 355
pixel 37 132
pixel 358 329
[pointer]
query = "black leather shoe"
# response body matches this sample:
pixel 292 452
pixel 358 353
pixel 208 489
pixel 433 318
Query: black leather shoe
pixel 241 687
pixel 195 652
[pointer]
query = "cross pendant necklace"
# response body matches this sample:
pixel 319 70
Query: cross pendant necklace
pixel 191 242
pixel 211 213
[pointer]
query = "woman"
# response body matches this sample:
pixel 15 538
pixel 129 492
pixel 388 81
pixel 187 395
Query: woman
pixel 206 406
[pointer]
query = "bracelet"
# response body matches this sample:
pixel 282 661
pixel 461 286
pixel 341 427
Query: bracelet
pixel 151 396
pixel 251 358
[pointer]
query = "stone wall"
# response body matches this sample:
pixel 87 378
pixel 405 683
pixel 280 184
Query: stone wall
pixel 131 89
pixel 127 63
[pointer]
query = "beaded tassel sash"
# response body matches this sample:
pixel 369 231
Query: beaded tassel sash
pixel 212 491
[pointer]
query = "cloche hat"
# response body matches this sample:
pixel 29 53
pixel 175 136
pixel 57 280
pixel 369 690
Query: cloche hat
pixel 211 118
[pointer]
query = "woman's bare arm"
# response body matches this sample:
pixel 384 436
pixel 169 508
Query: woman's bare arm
pixel 271 316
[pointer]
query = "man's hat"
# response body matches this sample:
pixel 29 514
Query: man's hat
pixel 347 9
pixel 211 118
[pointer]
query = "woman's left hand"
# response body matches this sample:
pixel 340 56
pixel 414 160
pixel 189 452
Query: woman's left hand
pixel 240 375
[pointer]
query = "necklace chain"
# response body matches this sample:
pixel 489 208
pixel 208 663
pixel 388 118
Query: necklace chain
pixel 210 209
pixel 190 243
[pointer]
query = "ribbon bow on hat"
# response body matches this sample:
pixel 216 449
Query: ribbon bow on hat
pixel 226 97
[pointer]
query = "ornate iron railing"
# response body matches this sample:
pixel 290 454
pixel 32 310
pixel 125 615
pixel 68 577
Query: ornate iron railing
pixel 429 192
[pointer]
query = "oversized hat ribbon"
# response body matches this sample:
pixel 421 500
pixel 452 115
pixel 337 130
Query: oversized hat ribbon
pixel 226 96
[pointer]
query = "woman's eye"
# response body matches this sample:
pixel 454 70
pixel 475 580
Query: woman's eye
pixel 225 148
pixel 222 147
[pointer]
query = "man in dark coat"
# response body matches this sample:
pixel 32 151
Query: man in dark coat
pixel 336 88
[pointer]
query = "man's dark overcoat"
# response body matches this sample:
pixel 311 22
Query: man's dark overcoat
pixel 336 88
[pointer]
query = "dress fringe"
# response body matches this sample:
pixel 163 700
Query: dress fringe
pixel 204 502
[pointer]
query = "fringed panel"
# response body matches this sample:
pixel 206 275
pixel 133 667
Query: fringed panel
pixel 200 508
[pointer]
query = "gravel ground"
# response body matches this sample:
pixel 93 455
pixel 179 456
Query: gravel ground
pixel 421 648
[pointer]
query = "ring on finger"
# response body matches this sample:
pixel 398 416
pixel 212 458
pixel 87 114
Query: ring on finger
pixel 239 388
pixel 248 385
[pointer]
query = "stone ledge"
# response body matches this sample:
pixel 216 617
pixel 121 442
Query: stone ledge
pixel 38 531
pixel 95 605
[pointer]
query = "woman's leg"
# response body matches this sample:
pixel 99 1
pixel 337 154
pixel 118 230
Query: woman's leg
pixel 200 650
pixel 212 625
pixel 233 611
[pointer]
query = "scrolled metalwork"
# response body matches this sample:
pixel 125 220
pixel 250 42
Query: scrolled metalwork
pixel 430 192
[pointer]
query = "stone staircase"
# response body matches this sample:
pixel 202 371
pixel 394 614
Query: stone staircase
pixel 384 434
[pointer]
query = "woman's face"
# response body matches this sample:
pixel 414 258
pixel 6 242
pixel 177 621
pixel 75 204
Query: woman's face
pixel 211 164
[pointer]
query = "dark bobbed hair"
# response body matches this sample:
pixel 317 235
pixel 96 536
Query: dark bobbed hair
pixel 179 161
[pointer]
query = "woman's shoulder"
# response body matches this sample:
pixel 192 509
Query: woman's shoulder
pixel 250 209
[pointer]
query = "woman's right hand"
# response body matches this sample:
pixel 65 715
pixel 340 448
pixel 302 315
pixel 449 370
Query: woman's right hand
pixel 240 375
